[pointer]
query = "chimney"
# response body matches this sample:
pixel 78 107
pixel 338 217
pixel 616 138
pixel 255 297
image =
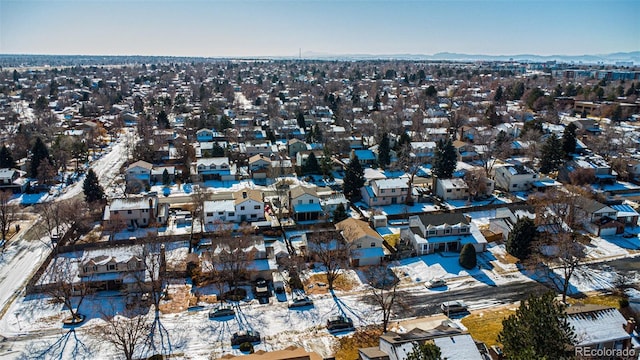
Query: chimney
pixel 630 325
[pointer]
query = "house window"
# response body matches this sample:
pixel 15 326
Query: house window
pixel 447 231
pixel 220 212
pixel 241 207
pixel 95 268
pixel 432 232
pixel 144 220
pixel 210 214
pixel 448 190
pixel 253 216
pixel 299 202
pixel 256 207
pixel 128 211
pixel 112 266
pixel 86 269
pixel 115 212
pixel 310 201
pixel 373 244
pixel 515 186
pixel 232 214
pixel 463 230
pixel 359 246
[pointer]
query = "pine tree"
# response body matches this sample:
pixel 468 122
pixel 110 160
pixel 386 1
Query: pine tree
pixel 569 141
pixel 445 159
pixel 166 180
pixel 551 156
pixel 39 152
pixel 300 119
pixel 326 164
pixel 6 159
pixel 93 191
pixel 425 351
pixel 384 152
pixel 163 120
pixel 353 178
pixel 340 213
pixel 520 238
pixel 498 96
pixel 468 258
pixel 311 166
pixel 538 330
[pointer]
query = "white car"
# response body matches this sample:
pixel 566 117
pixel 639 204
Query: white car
pixel 435 283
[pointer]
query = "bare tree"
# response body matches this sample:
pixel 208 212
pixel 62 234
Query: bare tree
pixel 229 259
pixel 328 248
pixel 558 213
pixel 383 291
pixel 410 164
pixel 128 333
pixel 8 215
pixel 476 181
pixel 62 286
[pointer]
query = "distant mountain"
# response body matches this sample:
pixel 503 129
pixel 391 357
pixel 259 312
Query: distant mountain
pixel 612 58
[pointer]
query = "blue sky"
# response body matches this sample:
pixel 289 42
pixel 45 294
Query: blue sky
pixel 280 27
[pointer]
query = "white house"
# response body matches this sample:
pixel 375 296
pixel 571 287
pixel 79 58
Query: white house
pixel 385 192
pixel 429 233
pixel 452 189
pixel 246 206
pixel 218 168
pixel 305 203
pixel 515 177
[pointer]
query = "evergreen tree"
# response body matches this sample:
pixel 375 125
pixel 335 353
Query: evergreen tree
pixel 445 159
pixel 326 165
pixel 163 120
pixel 498 95
pixel 405 139
pixel 538 330
pixel 6 159
pixel 569 141
pixel 39 152
pixel 311 166
pixel 551 156
pixel 376 103
pixel 425 351
pixel 166 180
pixel 93 191
pixel 468 258
pixel 384 154
pixel 340 213
pixel 520 238
pixel 431 91
pixel 300 119
pixel 491 116
pixel 353 178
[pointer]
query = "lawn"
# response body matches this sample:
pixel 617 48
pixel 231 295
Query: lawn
pixel 606 300
pixel 348 346
pixel 486 325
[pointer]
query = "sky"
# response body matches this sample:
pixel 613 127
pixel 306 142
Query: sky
pixel 245 28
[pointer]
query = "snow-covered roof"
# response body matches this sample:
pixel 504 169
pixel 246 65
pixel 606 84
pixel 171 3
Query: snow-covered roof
pixel 219 205
pixel 458 347
pixel 397 183
pixel 596 324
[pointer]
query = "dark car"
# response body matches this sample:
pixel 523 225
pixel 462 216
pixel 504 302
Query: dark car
pixel 249 336
pixel 339 323
pixel 221 311
pixel 452 307
pixel 262 288
pixel 301 301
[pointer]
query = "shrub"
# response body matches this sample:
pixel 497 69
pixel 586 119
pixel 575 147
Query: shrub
pixel 468 257
pixel 246 347
pixel 235 295
pixel 623 303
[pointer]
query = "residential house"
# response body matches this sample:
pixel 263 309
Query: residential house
pixel 208 135
pixel 450 339
pixel 505 218
pixel 217 168
pixel 602 328
pixel 385 192
pixel 259 166
pixel 598 218
pixel 121 272
pixel 245 206
pixel 138 176
pixel 429 233
pixel 366 244
pixel 294 146
pixel 302 156
pixel 423 150
pixel 514 177
pixel 626 214
pixel 157 174
pixel 305 203
pixel 451 189
pixel 596 164
pixel 289 353
pixel 13 180
pixel 134 212
pixel 260 258
pixel 465 151
pixel 366 157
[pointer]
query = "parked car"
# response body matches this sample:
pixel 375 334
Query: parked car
pixel 221 311
pixel 452 307
pixel 301 301
pixel 245 336
pixel 435 283
pixel 262 288
pixel 339 323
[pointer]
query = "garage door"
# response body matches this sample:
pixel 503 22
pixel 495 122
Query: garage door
pixel 607 231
